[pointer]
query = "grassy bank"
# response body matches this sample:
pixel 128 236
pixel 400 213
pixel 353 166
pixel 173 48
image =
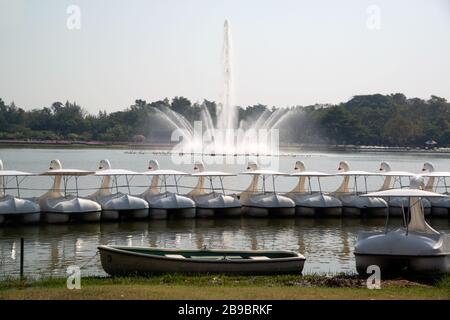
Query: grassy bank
pixel 225 287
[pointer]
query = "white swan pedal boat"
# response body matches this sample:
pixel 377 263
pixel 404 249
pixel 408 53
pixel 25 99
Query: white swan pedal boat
pixel 256 203
pixel 440 207
pixel 391 178
pixel 61 207
pixel 14 209
pixel 352 203
pixel 117 261
pixel 415 248
pixel 214 203
pixel 166 204
pixel 117 205
pixel 309 203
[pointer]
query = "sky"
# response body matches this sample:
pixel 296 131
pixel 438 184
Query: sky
pixel 284 52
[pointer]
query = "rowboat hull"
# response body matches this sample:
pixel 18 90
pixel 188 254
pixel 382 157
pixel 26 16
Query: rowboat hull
pixel 118 262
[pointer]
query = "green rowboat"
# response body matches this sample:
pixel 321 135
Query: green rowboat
pixel 120 260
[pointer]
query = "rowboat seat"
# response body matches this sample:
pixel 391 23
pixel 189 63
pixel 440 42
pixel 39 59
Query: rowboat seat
pixel 259 258
pixel 178 256
pixel 233 257
pixel 209 257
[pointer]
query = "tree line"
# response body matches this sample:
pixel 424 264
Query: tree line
pixel 377 120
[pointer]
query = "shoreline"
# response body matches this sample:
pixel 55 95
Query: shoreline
pixel 220 287
pixel 290 149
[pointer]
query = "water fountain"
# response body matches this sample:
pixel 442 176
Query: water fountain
pixel 226 136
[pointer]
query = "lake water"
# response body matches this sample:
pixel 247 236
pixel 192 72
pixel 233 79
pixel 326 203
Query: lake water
pixel 326 243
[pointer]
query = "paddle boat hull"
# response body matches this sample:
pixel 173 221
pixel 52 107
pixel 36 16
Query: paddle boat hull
pixel 170 205
pixel 118 261
pixel 303 211
pixel 397 251
pixel 395 264
pixel 66 209
pixel 122 206
pixel 18 211
pixel 253 211
pixel 179 213
pixel 135 214
pixel 217 205
pixel 21 218
pixel 356 206
pixel 268 205
pixel 316 205
pixel 440 207
pixel 65 217
pixel 441 212
pixel 218 212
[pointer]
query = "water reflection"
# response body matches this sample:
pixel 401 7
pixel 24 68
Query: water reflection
pixel 49 249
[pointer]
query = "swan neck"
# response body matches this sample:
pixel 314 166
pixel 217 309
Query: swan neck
pixel 154 185
pixel 417 222
pixel 343 188
pixel 386 184
pixel 430 184
pixel 300 187
pixel 105 186
pixel 55 190
pixel 252 188
pixel 199 188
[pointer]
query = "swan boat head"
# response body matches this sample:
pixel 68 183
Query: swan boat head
pixel 343 166
pixel 199 167
pixel 104 164
pixel 55 165
pixel 428 167
pixel 299 166
pixel 153 165
pixel 385 167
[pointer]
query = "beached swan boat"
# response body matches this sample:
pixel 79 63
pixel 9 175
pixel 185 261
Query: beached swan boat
pixel 118 260
pixel 417 247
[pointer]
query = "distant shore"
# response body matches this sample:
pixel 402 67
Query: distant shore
pixel 286 148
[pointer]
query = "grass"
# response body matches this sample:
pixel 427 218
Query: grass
pixel 224 287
